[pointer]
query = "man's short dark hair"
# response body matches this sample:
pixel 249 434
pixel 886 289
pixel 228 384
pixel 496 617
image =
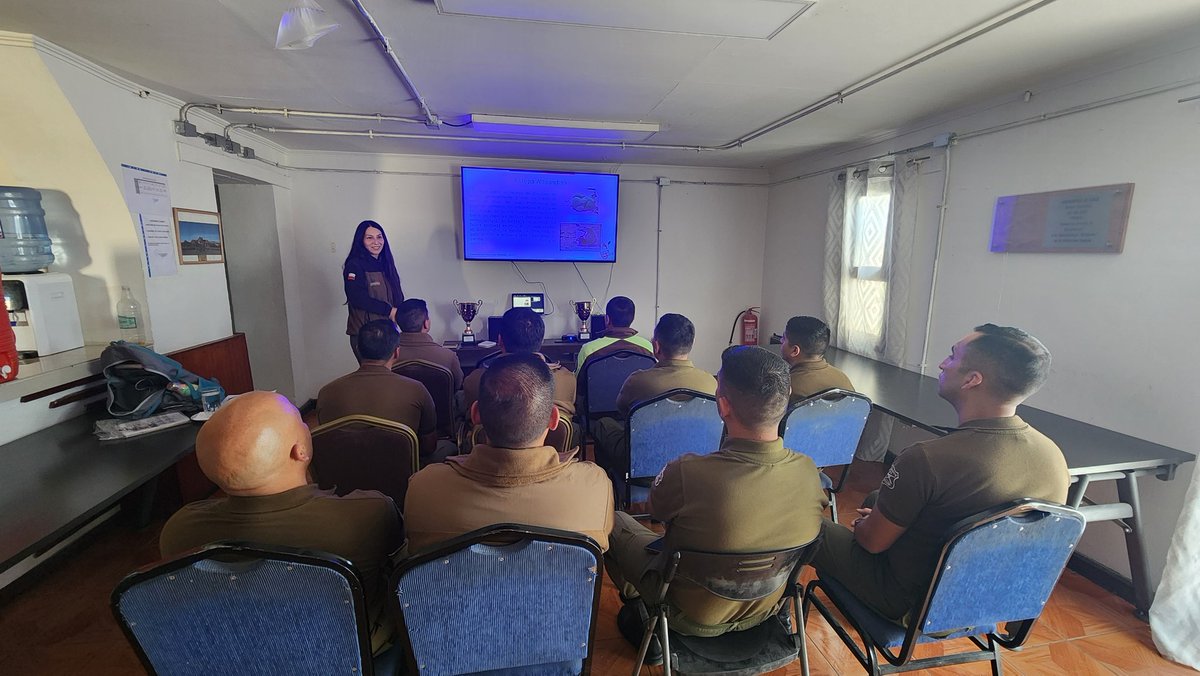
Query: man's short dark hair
pixel 756 383
pixel 377 340
pixel 1014 362
pixel 809 334
pixel 522 330
pixel 411 315
pixel 516 394
pixel 675 335
pixel 620 311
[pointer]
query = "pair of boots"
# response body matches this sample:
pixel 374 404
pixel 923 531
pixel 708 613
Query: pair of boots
pixel 632 619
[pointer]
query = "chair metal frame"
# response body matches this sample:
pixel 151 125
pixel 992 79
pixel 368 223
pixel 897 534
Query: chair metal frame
pixel 249 551
pixel 1016 631
pixel 749 561
pixel 585 371
pixel 446 407
pixel 833 393
pixel 501 532
pixel 644 481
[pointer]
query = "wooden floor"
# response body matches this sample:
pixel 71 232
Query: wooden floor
pixel 62 624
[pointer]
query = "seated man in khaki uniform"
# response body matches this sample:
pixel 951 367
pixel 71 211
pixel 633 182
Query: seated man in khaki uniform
pixel 375 390
pixel 752 495
pixel 994 457
pixel 516 478
pixel 257 450
pixel 412 316
pixel 804 343
pixel 618 318
pixel 521 332
pixel 673 338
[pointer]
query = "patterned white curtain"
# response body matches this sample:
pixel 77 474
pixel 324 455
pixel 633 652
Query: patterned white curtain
pixel 868 254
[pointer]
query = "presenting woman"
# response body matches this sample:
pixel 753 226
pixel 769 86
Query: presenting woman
pixel 372 283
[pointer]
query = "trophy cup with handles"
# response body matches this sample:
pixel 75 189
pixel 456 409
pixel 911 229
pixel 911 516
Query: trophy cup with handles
pixel 467 311
pixel 583 310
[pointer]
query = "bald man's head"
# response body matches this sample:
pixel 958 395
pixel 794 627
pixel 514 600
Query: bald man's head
pixel 256 444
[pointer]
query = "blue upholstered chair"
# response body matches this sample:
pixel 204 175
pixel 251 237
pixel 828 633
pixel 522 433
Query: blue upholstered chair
pixel 774 643
pixel 238 608
pixel 505 599
pixel 826 427
pixel 665 427
pixel 601 379
pixel 998 568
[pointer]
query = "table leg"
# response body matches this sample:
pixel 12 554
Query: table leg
pixel 1139 566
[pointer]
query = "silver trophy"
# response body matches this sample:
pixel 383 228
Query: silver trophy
pixel 467 311
pixel 583 310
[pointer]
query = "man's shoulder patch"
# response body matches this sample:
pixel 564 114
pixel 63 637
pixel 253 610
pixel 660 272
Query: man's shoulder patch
pixel 351 276
pixel 893 475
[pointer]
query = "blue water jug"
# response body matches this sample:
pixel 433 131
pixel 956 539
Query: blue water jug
pixel 24 242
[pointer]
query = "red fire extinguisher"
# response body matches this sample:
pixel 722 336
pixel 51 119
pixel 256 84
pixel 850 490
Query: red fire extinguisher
pixel 748 320
pixel 8 351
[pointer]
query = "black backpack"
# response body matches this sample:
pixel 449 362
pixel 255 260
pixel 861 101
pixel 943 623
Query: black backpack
pixel 142 382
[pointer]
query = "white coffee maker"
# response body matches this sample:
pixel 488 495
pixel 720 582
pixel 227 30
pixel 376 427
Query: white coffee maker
pixel 43 312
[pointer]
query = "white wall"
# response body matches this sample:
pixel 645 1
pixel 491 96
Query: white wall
pixel 1121 326
pixel 713 238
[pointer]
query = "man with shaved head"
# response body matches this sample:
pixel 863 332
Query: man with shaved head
pixel 257 449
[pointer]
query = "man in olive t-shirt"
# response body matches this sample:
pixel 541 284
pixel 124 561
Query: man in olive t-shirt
pixel 805 340
pixel 994 457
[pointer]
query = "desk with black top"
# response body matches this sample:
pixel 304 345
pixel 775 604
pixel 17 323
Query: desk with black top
pixel 1092 453
pixel 469 356
pixel 55 481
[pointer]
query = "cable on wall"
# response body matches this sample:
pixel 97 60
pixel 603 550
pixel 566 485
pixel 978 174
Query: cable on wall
pixel 545 293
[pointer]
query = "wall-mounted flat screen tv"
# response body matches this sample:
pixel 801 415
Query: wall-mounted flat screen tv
pixel 524 215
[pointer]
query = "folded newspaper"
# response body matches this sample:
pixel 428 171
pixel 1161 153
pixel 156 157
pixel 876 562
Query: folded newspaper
pixel 108 430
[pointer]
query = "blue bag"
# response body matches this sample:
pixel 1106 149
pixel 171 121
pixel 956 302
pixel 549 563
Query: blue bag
pixel 142 382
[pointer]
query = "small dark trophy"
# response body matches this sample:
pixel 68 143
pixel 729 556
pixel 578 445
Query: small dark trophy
pixel 583 310
pixel 468 311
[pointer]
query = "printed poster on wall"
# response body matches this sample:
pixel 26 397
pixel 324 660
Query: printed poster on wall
pixel 149 198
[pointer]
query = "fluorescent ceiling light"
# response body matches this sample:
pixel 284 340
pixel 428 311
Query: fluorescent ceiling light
pixel 556 128
pixel 755 19
pixel 302 25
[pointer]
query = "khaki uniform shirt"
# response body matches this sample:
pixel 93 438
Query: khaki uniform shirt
pixel 935 484
pixel 564 386
pixel 376 391
pixel 531 486
pixel 422 346
pixel 810 377
pixel 666 375
pixel 614 339
pixel 362 526
pixel 750 496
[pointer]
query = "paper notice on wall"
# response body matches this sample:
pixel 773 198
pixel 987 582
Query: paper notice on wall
pixel 158 245
pixel 146 191
pixel 149 198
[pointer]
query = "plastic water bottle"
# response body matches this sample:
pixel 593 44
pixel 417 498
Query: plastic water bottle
pixel 24 243
pixel 129 318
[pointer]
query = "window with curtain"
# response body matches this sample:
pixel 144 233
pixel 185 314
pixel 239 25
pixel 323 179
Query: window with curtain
pixel 866 246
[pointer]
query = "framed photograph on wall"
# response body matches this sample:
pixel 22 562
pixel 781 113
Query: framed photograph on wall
pixel 199 237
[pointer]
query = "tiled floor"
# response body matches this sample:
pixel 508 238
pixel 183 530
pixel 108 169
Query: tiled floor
pixel 62 624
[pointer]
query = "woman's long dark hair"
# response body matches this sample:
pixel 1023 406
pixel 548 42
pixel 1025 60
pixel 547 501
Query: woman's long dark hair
pixel 358 250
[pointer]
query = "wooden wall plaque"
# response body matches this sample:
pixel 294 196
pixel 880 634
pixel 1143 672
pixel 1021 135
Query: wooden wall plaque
pixel 1082 220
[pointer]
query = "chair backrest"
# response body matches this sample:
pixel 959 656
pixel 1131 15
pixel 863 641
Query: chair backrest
pixel 242 608
pixel 363 452
pixel 667 426
pixel 470 606
pixel 1000 566
pixel 741 577
pixel 438 380
pixel 602 378
pixel 827 426
pixel 559 437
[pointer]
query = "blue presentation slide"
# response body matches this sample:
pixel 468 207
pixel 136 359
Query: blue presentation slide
pixel 520 215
